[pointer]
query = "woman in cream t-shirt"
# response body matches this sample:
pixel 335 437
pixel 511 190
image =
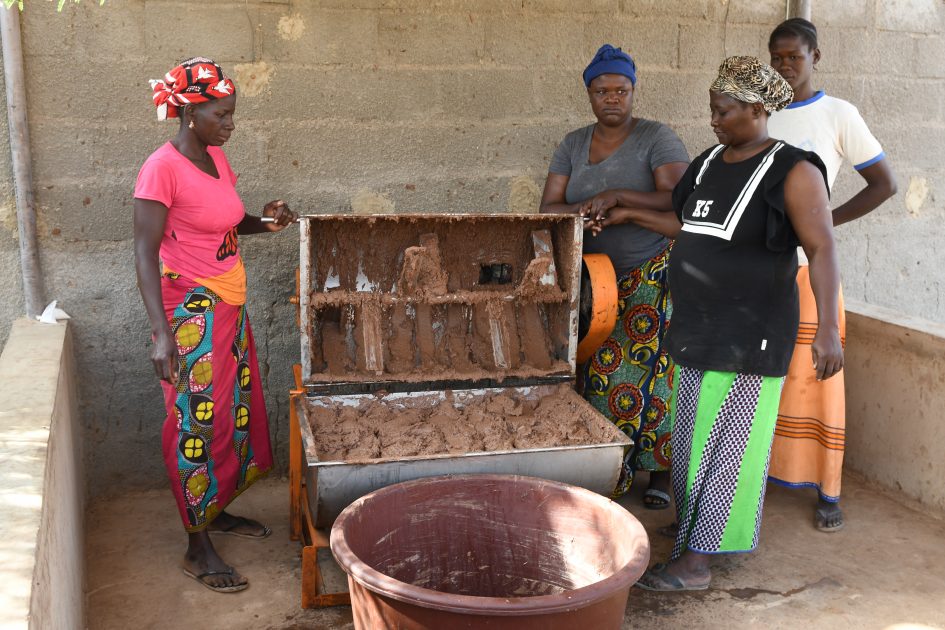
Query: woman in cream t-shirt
pixel 809 438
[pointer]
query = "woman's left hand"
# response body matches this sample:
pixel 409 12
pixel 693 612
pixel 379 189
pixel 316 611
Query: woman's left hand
pixel 281 216
pixel 827 352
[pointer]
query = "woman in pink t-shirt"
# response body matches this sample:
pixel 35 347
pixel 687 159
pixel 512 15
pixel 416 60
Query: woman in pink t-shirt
pixel 187 215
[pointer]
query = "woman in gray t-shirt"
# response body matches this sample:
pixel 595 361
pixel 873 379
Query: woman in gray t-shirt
pixel 620 173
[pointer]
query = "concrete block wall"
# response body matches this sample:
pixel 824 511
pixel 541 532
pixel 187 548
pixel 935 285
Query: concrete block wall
pixel 409 105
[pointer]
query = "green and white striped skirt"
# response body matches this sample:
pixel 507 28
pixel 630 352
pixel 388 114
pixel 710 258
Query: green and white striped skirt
pixel 723 427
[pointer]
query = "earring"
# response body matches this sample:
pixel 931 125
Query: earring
pixel 191 125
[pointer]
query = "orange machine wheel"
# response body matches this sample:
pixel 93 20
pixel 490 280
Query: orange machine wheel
pixel 601 315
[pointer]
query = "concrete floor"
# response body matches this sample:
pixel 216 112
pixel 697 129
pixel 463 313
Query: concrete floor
pixel 885 570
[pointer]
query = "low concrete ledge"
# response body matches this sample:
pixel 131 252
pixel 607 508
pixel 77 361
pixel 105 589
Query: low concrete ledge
pixel 42 488
pixel 895 383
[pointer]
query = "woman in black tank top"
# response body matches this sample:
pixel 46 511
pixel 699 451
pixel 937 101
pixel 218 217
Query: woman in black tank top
pixel 743 206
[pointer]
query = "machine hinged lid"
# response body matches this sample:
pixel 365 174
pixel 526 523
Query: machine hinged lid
pixel 413 302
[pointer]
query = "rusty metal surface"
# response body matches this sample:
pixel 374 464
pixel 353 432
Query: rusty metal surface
pixel 341 269
pixel 333 485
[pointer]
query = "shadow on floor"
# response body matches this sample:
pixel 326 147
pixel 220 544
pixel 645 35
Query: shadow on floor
pixel 886 567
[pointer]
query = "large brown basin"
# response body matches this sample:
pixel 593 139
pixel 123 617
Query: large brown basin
pixel 488 551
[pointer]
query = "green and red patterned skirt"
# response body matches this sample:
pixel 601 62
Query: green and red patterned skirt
pixel 216 435
pixel 630 377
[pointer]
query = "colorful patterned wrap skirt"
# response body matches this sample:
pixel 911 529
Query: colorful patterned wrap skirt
pixel 811 432
pixel 216 434
pixel 630 377
pixel 722 432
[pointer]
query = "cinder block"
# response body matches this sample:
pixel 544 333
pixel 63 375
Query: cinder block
pixel 853 247
pixel 318 36
pixel 364 155
pixel 43 32
pixel 50 161
pixel 224 33
pixel 45 83
pixel 671 8
pixel 524 149
pixel 910 277
pixel 488 94
pixel 845 86
pixel 913 16
pixel 439 6
pixel 653 43
pixel 918 146
pixel 396 156
pixel 535 41
pixel 843 51
pixel 767 12
pixel 921 101
pixel 472 193
pixel 561 95
pixel 745 39
pixel 430 39
pixel 696 135
pixel 95 149
pixel 108 33
pixel 85 210
pixel 701 45
pixel 608 7
pixel 930 57
pixel 325 93
pixel 843 14
pixel 678 97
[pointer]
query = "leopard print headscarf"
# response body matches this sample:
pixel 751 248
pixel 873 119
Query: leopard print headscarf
pixel 749 80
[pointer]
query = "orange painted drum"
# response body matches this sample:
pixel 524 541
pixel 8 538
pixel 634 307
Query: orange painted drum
pixel 601 279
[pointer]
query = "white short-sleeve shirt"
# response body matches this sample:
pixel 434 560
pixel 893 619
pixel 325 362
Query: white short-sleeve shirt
pixel 830 127
pixel 833 129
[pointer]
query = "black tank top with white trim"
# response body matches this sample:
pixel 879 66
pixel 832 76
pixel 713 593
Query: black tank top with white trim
pixel 733 266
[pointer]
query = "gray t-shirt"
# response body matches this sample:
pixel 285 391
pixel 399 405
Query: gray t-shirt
pixel 649 146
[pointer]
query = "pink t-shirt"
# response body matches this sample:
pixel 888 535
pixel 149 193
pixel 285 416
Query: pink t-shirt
pixel 200 232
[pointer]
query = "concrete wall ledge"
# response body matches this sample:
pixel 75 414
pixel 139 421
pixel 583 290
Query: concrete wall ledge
pixel 895 384
pixel 42 488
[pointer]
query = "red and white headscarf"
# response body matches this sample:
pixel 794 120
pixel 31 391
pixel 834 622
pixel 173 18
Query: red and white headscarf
pixel 196 80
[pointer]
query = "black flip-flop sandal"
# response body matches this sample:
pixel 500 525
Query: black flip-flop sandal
pixel 820 522
pixel 654 499
pixel 240 522
pixel 657 579
pixel 218 589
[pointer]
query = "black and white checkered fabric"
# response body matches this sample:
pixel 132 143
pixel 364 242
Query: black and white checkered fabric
pixel 704 514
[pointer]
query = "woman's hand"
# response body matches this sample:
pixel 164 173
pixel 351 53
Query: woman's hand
pixel 164 356
pixel 805 199
pixel 280 214
pixel 827 352
pixel 600 204
pixel 615 216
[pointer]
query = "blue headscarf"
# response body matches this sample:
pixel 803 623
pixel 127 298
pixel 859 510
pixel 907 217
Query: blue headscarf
pixel 610 60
